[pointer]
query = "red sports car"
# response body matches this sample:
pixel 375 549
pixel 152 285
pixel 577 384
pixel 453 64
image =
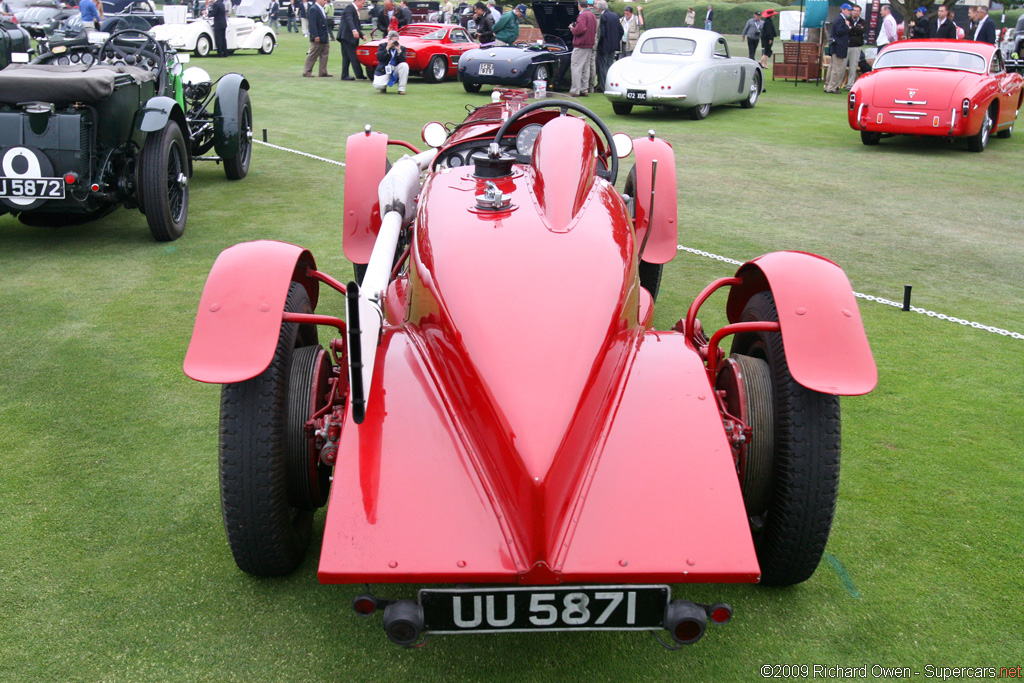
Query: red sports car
pixel 946 88
pixel 430 49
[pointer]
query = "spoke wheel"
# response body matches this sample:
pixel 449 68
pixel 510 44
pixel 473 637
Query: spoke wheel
pixel 437 69
pixel 701 111
pixel 267 517
pixel 237 167
pixel 753 93
pixel 541 73
pixel 163 177
pixel 791 532
pixel 978 142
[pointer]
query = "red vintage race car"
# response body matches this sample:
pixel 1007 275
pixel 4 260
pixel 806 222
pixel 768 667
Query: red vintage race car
pixel 497 414
pixel 943 88
pixel 430 49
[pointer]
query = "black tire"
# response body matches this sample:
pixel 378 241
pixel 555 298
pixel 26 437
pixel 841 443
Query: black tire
pixel 869 138
pixel 791 533
pixel 203 46
pixel 753 93
pixel 1005 133
pixel 540 73
pixel 163 182
pixel 268 44
pixel 622 108
pixel 309 480
pixel 701 111
pixel 237 166
pixel 267 533
pixel 978 141
pixel 437 69
pixel 471 87
pixel 650 273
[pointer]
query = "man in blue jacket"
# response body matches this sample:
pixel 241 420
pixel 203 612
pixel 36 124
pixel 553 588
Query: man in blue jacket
pixel 840 46
pixel 319 39
pixel 219 15
pixel 611 40
pixel 350 33
pixel 985 31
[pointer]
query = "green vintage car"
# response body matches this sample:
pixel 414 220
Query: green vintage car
pixel 85 129
pixel 13 40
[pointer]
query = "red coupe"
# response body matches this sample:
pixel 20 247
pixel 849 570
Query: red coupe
pixel 430 49
pixel 945 88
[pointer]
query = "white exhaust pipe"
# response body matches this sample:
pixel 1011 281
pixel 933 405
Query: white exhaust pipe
pixel 365 302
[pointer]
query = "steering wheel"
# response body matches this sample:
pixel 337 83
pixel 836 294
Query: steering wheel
pixel 613 169
pixel 134 55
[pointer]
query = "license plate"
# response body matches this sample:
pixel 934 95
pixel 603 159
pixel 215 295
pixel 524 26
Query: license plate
pixel 636 95
pixel 561 608
pixel 39 188
pixel 486 69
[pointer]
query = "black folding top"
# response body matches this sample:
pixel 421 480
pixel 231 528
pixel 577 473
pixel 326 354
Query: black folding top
pixel 64 84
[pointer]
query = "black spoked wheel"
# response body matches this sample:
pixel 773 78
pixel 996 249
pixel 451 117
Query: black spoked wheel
pixel 268 513
pixel 163 178
pixel 791 530
pixel 471 87
pixel 753 93
pixel 701 111
pixel 869 138
pixel 650 273
pixel 622 108
pixel 437 69
pixel 237 167
pixel 978 141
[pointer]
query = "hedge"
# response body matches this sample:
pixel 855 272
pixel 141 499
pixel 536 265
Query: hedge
pixel 729 17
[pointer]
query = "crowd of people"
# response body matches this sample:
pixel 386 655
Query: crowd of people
pixel 599 37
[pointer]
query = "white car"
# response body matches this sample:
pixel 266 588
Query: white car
pixel 685 68
pixel 197 36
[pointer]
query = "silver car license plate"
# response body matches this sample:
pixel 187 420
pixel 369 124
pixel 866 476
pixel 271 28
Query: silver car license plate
pixel 486 69
pixel 544 608
pixel 36 188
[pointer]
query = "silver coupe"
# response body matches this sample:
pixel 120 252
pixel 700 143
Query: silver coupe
pixel 685 68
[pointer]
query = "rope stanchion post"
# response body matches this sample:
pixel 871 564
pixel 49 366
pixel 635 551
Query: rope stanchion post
pixel 264 135
pixel 906 297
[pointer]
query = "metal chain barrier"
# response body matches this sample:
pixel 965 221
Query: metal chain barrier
pixel 880 300
pixel 301 154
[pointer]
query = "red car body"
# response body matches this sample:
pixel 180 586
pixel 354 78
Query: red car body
pixel 943 88
pixel 498 408
pixel 430 49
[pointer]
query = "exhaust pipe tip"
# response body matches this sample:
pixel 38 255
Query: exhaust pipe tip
pixel 685 621
pixel 403 622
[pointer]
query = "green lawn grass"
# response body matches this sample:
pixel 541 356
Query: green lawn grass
pixel 113 560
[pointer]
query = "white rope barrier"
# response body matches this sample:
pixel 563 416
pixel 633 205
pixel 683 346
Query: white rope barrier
pixel 301 154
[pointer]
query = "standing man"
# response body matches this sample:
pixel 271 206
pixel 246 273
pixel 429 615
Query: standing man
pixel 919 27
pixel 385 15
pixel 319 39
pixel 985 32
pixel 391 65
pixel 752 32
pixel 840 44
pixel 506 31
pixel 404 14
pixel 304 16
pixel 583 31
pixel 886 34
pixel 90 15
pixel 219 14
pixel 630 31
pixel 768 34
pixel 691 17
pixel 495 12
pixel 290 25
pixel 708 18
pixel 858 29
pixel 349 34
pixel 272 16
pixel 611 40
pixel 944 26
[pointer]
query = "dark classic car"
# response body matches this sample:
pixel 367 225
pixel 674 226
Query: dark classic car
pixel 521 64
pixel 70 31
pixel 13 40
pixel 88 128
pixel 433 50
pixel 43 14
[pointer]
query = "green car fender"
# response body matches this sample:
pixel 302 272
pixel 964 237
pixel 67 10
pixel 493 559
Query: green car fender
pixel 155 115
pixel 227 124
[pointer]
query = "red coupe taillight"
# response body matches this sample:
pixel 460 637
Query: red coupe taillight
pixel 965 108
pixel 853 100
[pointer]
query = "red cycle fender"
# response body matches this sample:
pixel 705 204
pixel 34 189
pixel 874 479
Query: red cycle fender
pixel 366 158
pixel 822 333
pixel 661 245
pixel 239 318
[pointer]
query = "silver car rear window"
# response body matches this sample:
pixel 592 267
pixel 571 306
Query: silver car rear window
pixel 667 45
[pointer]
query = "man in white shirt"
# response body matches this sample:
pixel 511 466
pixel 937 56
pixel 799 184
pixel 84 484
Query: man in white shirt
pixel 887 34
pixel 494 11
